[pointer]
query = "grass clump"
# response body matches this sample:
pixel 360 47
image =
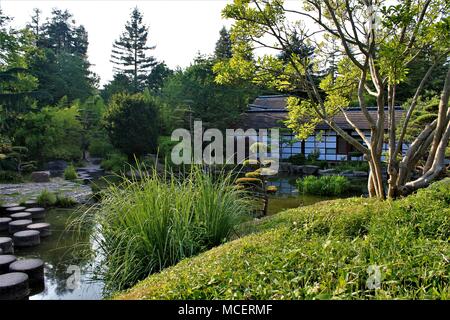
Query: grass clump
pixel 153 223
pixel 70 173
pixel 324 185
pixel 324 251
pixel 46 198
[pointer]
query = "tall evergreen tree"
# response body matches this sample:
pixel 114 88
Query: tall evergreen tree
pixel 223 45
pixel 36 23
pixel 130 52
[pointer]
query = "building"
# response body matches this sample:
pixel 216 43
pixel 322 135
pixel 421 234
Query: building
pixel 268 112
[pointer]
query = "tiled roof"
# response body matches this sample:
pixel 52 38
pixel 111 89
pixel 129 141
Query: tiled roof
pixel 275 114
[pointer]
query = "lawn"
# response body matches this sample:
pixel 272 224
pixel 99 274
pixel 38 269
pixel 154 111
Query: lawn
pixel 328 250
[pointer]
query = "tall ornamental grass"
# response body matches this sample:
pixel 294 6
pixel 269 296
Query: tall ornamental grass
pixel 147 225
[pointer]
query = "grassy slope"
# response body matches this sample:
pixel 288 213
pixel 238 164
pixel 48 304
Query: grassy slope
pixel 323 251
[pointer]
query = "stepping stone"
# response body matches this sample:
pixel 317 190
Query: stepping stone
pixel 5 261
pixel 14 286
pixel 4 223
pixel 34 268
pixel 19 225
pixel 27 238
pixel 15 209
pixel 30 203
pixel 21 216
pixel 43 228
pixel 36 213
pixel 8 205
pixel 6 245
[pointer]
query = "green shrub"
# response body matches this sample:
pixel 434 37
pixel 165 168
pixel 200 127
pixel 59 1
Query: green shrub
pixel 298 159
pixel 352 166
pixel 46 198
pixel 148 225
pixel 324 251
pixel 100 147
pixel 63 201
pixel 10 177
pixel 116 163
pixel 324 186
pixel 70 173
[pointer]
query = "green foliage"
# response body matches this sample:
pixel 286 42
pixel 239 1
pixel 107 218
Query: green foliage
pixel 165 145
pixel 63 201
pixel 46 198
pixel 324 185
pixel 352 166
pixel 53 133
pixel 100 147
pixel 132 124
pixel 195 89
pixel 115 162
pixel 130 52
pixel 148 225
pixel 10 177
pixel 324 251
pixel 70 173
pixel 298 159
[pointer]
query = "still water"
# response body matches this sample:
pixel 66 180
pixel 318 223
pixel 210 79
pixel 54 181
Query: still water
pixel 68 269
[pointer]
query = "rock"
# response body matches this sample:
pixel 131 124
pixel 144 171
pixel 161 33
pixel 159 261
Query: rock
pixel 310 170
pixel 360 174
pixel 57 165
pixel 19 225
pixel 43 228
pixel 327 172
pixel 6 245
pixel 14 286
pixel 40 176
pixel 347 173
pixel 21 216
pixel 27 238
pixel 34 268
pixel 296 169
pixel 4 223
pixel 5 261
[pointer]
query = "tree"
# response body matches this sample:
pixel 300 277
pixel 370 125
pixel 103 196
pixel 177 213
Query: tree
pixel 130 52
pixel 218 106
pixel 157 76
pixel 223 45
pixel 132 124
pixel 378 47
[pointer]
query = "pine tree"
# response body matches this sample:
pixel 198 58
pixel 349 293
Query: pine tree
pixel 36 23
pixel 223 49
pixel 129 53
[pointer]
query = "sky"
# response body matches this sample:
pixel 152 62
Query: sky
pixel 179 28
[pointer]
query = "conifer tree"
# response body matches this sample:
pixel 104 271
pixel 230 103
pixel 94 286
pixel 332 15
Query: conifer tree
pixel 223 45
pixel 130 52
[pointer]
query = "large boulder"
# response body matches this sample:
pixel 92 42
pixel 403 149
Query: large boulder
pixel 40 176
pixel 310 170
pixel 360 174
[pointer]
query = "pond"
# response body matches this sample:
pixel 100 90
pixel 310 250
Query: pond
pixel 68 271
pixel 288 197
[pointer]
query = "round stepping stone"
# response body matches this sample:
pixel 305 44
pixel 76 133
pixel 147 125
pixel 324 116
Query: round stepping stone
pixel 36 213
pixel 30 203
pixel 43 228
pixel 19 225
pixel 14 286
pixel 34 268
pixel 6 245
pixel 5 261
pixel 4 223
pixel 15 209
pixel 21 216
pixel 27 238
pixel 8 205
